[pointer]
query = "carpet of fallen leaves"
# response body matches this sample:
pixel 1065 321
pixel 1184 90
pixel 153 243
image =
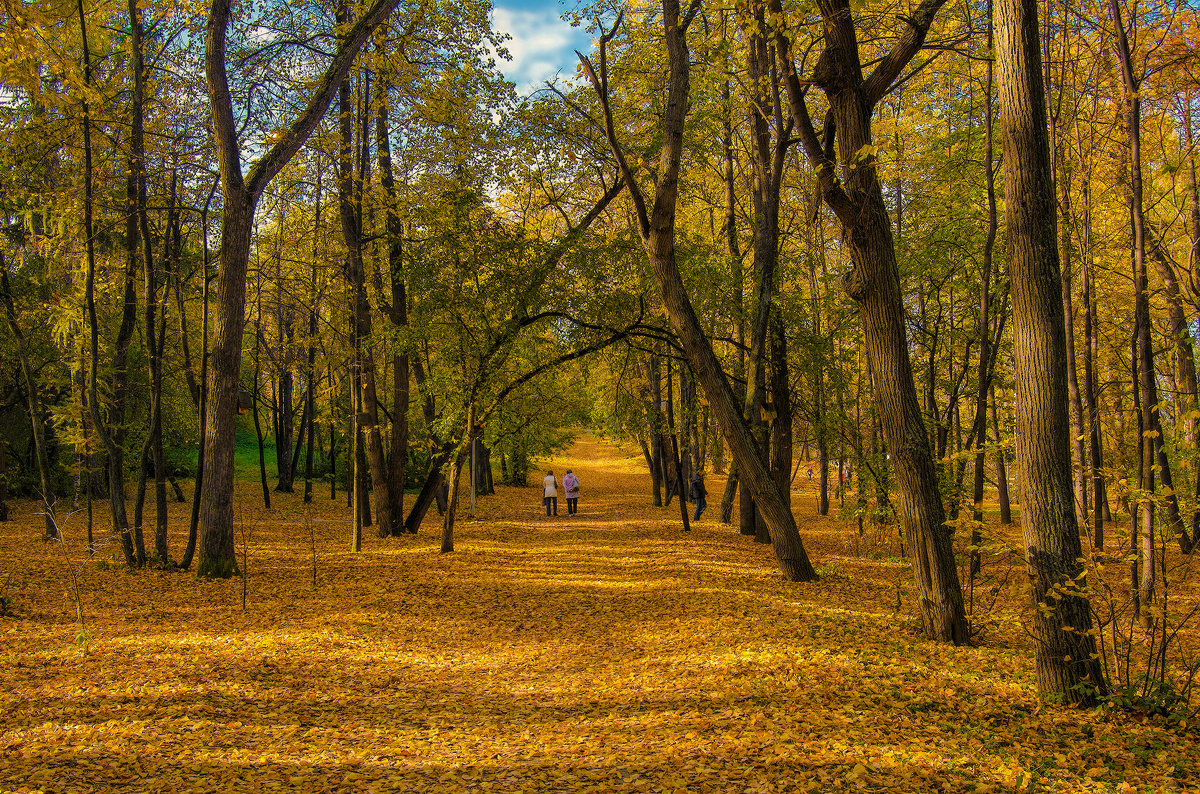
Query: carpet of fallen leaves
pixel 602 652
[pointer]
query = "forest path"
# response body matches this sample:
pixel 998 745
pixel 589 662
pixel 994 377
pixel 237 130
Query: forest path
pixel 606 652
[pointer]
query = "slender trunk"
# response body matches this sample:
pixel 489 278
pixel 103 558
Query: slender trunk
pixel 4 490
pixel 1194 287
pixel 258 434
pixel 982 379
pixel 1185 391
pixel 657 457
pixel 658 236
pixel 1152 439
pixel 350 211
pixel 198 488
pixel 1060 173
pixel 452 499
pixel 680 486
pixel 781 398
pixel 34 406
pixel 398 454
pixel 1001 467
pixel 731 486
pixel 1091 348
pixel 1067 665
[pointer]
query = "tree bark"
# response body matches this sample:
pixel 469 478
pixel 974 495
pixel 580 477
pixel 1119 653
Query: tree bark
pixel 241 196
pixel 398 314
pixel 351 214
pixel 874 283
pixel 1067 666
pixel 657 230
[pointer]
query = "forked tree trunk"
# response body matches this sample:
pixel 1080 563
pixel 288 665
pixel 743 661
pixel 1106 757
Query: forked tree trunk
pixel 874 284
pixel 1067 667
pixel 241 195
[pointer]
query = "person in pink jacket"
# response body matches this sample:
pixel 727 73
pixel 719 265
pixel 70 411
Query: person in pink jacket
pixel 571 490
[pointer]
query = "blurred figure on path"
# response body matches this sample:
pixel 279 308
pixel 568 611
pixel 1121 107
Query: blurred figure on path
pixel 696 494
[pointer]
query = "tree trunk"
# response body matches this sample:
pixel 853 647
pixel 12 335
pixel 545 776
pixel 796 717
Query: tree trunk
pixel 1152 438
pixel 781 398
pixel 680 482
pixel 731 486
pixel 1067 667
pixel 350 212
pixel 241 195
pixel 874 284
pixel 982 379
pixel 1090 389
pixel 398 315
pixel 658 236
pixel 258 434
pixel 33 404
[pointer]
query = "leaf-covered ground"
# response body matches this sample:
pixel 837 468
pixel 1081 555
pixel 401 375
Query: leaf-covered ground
pixel 603 652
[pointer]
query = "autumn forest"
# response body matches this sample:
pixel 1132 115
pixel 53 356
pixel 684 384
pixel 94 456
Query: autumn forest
pixel 304 301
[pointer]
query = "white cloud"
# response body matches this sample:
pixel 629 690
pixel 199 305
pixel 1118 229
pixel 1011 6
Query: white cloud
pixel 540 46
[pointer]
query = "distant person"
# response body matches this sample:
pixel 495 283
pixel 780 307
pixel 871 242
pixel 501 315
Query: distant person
pixel 696 494
pixel 571 491
pixel 550 493
pixel 810 472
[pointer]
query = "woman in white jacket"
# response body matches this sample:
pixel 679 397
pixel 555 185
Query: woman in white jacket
pixel 550 493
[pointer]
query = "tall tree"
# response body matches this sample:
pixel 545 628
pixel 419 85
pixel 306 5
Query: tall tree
pixel 241 194
pixel 856 198
pixel 1068 668
pixel 656 224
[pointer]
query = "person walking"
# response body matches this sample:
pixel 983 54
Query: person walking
pixel 550 493
pixel 696 494
pixel 571 491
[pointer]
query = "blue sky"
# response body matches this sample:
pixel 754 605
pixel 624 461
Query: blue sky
pixel 542 42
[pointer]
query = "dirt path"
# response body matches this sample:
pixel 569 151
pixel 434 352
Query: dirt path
pixel 607 652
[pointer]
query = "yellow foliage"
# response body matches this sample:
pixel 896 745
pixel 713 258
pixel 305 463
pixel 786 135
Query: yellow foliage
pixel 603 652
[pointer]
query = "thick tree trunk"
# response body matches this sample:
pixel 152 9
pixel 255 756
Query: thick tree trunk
pixel 218 555
pixel 1067 667
pixel 241 195
pixel 874 283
